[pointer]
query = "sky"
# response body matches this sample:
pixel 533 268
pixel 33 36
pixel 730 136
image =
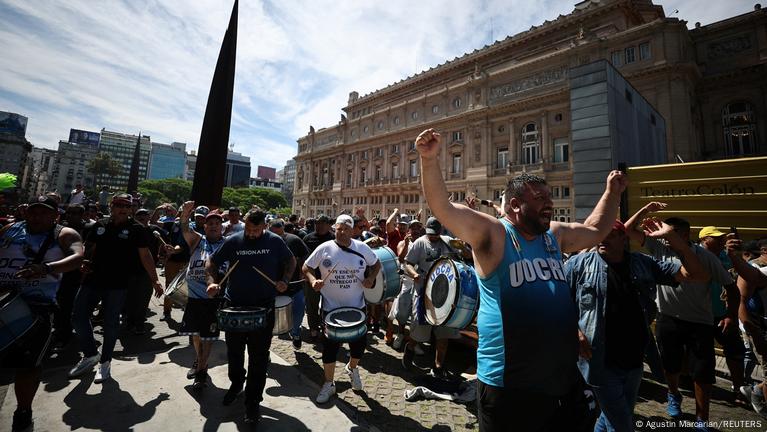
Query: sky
pixel 146 65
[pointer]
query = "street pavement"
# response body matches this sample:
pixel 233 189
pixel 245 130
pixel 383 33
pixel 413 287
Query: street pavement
pixel 150 392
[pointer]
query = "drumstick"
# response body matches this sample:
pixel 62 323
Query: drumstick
pixel 159 237
pixel 332 269
pixel 228 272
pixel 264 276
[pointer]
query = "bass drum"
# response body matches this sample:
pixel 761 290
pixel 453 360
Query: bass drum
pixel 178 291
pixel 452 294
pixel 387 284
pixel 16 318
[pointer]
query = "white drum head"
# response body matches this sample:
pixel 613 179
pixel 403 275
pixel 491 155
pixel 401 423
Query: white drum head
pixel 373 295
pixel 282 301
pixel 441 291
pixel 345 317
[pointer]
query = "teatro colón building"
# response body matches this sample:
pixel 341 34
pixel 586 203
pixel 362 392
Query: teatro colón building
pixel 505 108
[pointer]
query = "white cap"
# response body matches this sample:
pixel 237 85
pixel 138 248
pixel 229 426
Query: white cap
pixel 345 220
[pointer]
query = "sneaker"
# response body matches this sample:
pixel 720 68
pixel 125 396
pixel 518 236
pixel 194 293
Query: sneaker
pixel 757 401
pixel 166 315
pixel 674 408
pixel 398 341
pixel 328 389
pixel 85 365
pixel 103 372
pixel 407 357
pixel 22 420
pixel 296 343
pixel 700 425
pixel 438 372
pixel 419 350
pixel 354 376
pixel 252 413
pixel 200 379
pixel 232 393
pixel 192 371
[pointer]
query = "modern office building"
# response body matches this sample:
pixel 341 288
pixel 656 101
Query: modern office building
pixel 191 162
pixel 506 108
pixel 266 184
pixel 120 147
pixel 237 170
pixel 14 146
pixel 167 161
pixel 288 179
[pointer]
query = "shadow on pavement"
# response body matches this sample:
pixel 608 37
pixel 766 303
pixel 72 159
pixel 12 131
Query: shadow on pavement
pixel 184 356
pixel 113 409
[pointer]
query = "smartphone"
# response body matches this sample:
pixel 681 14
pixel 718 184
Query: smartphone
pixel 734 230
pixel 486 203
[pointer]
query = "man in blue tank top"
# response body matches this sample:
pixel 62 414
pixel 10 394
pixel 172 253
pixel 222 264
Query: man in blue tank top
pixel 527 324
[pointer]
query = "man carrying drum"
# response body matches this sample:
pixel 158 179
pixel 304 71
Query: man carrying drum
pixel 200 313
pixel 343 265
pixel 34 254
pixel 527 322
pixel 258 255
pixel 424 251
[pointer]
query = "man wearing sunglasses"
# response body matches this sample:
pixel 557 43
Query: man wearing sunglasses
pixel 116 250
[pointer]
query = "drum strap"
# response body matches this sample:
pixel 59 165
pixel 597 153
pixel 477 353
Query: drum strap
pixel 52 235
pixel 352 251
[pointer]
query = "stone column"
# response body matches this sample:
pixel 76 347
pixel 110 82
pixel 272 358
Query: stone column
pixel 513 145
pixel 545 150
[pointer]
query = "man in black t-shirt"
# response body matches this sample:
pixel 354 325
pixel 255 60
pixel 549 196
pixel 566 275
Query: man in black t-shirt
pixel 320 235
pixel 255 247
pixel 117 250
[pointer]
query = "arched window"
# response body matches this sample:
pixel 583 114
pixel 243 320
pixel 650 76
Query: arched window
pixel 531 148
pixel 739 129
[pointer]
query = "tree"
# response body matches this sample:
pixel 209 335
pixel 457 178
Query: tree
pixel 176 190
pixel 152 198
pixel 103 166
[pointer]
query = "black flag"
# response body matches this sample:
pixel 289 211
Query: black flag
pixel 214 139
pixel 133 176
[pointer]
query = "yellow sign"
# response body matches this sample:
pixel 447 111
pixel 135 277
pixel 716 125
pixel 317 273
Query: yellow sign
pixel 723 193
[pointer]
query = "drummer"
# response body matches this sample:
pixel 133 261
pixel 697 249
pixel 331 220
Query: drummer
pixel 422 254
pixel 199 319
pixel 44 250
pixel 342 264
pixel 258 248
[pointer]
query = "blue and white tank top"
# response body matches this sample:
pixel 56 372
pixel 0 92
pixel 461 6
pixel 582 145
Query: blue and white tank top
pixel 18 248
pixel 527 320
pixel 195 275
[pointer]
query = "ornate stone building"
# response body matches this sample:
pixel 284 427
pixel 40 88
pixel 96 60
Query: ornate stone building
pixel 505 108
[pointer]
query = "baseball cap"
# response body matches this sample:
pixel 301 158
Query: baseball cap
pixel 404 219
pixel 433 227
pixel 414 222
pixel 344 220
pixel 123 198
pixel 213 214
pixel 710 231
pixel 142 211
pixel 277 223
pixel 201 211
pixel 44 201
pixel 234 209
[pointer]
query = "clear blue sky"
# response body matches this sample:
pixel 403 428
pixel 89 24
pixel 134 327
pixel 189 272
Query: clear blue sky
pixel 146 65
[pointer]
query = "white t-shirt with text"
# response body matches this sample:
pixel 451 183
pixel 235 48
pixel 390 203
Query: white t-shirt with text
pixel 343 287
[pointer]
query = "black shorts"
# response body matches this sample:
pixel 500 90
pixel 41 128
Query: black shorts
pixel 674 335
pixel 29 350
pixel 502 409
pixel 200 319
pixel 731 342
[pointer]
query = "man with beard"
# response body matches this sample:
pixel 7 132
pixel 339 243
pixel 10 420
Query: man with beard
pixel 199 319
pixel 527 322
pixel 611 287
pixel 35 252
pixel 258 248
pixel 117 250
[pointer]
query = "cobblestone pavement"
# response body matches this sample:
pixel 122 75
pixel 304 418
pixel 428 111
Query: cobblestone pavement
pixel 382 405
